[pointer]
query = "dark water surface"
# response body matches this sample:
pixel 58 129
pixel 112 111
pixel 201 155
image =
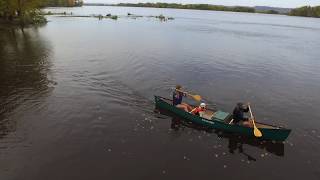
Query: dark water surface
pixel 77 95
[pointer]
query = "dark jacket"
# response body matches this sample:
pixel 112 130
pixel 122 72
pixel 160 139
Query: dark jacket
pixel 238 113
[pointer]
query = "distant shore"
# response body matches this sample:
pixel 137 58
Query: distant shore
pixel 305 11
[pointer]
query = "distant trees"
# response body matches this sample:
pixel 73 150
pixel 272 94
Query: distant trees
pixel 306 11
pixel 268 11
pixel 271 12
pixel 191 6
pixel 62 3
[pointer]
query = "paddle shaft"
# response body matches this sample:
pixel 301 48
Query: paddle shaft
pixel 257 132
pixel 184 92
pixel 251 113
pixel 195 97
pixel 252 118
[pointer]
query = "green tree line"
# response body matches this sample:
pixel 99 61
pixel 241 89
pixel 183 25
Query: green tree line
pixel 191 6
pixel 306 11
pixel 62 3
pixel 28 11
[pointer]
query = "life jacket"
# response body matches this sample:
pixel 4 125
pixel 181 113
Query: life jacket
pixel 198 110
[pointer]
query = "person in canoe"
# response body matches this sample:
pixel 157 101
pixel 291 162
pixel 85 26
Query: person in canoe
pixel 239 116
pixel 177 97
pixel 200 110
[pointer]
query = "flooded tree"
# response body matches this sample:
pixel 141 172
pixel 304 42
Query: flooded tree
pixel 21 11
pixel 28 11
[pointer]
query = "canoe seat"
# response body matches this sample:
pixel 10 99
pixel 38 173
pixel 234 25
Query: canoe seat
pixel 208 114
pixel 221 116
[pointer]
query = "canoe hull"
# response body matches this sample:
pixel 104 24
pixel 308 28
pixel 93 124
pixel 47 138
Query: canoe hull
pixel 276 134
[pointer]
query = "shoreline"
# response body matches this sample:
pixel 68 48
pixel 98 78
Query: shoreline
pixel 268 10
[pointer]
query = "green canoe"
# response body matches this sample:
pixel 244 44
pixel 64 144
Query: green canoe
pixel 220 120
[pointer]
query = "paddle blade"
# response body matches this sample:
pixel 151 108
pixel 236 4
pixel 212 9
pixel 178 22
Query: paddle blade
pixel 257 132
pixel 197 97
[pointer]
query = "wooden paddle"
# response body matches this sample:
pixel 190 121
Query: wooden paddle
pixel 195 97
pixel 256 131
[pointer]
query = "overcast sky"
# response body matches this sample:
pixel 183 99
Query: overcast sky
pixel 275 3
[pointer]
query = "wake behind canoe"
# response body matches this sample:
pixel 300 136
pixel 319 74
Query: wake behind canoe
pixel 220 120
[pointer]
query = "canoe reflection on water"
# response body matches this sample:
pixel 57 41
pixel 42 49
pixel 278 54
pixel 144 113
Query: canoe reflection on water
pixel 236 141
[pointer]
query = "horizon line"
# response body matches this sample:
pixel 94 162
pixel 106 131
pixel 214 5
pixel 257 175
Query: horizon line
pixel 198 3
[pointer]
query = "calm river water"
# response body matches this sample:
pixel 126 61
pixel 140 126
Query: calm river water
pixel 76 95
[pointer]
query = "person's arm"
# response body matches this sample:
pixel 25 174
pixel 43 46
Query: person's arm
pixel 245 114
pixel 247 109
pixel 184 94
pixel 193 110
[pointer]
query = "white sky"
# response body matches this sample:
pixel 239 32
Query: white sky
pixel 274 3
